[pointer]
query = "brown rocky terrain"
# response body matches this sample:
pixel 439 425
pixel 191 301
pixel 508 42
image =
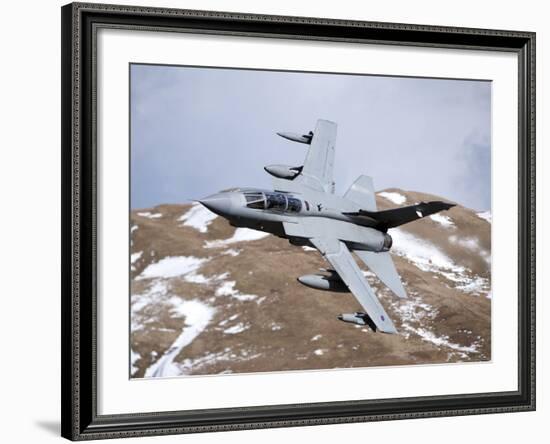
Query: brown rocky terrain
pixel 207 298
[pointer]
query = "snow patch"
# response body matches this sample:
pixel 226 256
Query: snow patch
pixel 134 357
pixel 306 248
pixel 486 215
pixel 442 341
pixel 316 337
pixel 468 242
pixel 240 235
pixel 195 278
pixel 153 296
pixel 150 215
pixel 232 252
pixel 396 198
pixel 414 311
pixel 231 318
pixel 319 352
pixel 442 220
pixel 422 253
pixel 132 229
pixel 228 289
pixel 135 256
pixel 472 244
pixel 477 285
pixel 427 257
pixel 211 358
pixel 172 266
pixel 237 328
pixel 198 217
pixel 197 317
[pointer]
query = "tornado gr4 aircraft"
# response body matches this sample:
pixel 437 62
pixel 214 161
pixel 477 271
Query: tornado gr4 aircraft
pixel 304 209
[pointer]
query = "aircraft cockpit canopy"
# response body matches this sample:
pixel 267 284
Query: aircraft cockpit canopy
pixel 272 201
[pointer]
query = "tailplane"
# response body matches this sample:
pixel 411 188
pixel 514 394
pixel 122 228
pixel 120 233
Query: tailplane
pixel 381 264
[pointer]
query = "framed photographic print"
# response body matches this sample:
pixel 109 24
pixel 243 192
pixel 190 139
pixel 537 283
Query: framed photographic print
pixel 275 221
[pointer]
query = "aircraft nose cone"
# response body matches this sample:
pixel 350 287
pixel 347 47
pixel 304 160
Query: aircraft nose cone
pixel 220 203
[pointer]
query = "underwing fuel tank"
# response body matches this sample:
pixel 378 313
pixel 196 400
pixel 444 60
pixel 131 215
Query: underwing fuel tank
pixel 331 282
pixel 304 138
pixel 283 171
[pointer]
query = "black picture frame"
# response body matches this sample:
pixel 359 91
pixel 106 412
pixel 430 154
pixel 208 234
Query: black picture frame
pixel 80 419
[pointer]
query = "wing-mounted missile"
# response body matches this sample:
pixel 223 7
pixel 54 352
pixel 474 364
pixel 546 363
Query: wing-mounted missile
pixel 283 171
pixel 327 282
pixel 357 318
pixel 304 138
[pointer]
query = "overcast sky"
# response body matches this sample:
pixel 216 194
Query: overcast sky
pixel 195 131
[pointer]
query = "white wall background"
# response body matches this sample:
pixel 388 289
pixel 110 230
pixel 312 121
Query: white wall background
pixel 30 220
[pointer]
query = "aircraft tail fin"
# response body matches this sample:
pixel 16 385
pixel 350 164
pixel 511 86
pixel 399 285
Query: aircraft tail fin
pixel 381 264
pixel 362 193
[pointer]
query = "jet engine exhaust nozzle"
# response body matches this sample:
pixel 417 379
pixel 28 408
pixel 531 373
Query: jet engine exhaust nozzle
pixel 388 242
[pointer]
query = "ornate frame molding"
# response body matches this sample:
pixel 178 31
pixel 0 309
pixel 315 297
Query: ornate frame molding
pixel 80 22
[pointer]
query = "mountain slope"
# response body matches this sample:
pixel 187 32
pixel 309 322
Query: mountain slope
pixel 208 298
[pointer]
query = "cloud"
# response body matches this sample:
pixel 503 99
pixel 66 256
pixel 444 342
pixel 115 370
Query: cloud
pixel 198 130
pixel 473 178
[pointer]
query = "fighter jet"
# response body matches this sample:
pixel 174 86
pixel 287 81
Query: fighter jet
pixel 304 209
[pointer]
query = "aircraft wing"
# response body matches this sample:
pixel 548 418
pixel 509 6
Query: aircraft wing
pixel 338 255
pixel 317 171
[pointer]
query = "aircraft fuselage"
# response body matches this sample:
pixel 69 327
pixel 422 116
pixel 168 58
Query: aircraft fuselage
pixel 285 214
